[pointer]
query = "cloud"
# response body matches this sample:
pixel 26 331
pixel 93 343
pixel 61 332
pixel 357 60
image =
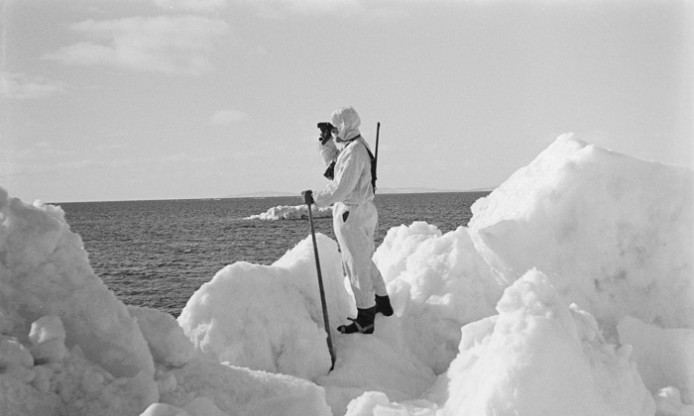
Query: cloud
pixel 227 117
pixel 36 158
pixel 278 9
pixel 168 44
pixel 324 6
pixel 22 87
pixel 362 10
pixel 195 6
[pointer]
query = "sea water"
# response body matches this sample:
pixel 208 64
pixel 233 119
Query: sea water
pixel 157 253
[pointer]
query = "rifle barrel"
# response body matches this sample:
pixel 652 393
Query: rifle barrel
pixel 378 130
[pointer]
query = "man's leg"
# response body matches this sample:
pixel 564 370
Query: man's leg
pixel 383 305
pixel 356 256
pixel 352 247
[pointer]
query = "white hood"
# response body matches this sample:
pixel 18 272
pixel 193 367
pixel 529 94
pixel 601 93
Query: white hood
pixel 347 122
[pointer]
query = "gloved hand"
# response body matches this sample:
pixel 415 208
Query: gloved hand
pixel 330 171
pixel 325 132
pixel 324 139
pixel 308 197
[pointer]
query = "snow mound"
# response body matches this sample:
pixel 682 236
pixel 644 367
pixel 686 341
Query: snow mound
pixel 85 344
pixel 69 347
pixel 540 357
pixel 165 338
pixel 616 231
pixel 437 284
pixel 269 317
pixel 205 388
pixel 298 212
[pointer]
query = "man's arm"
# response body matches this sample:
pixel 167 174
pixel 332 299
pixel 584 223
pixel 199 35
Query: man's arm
pixel 346 180
pixel 329 153
pixel 327 148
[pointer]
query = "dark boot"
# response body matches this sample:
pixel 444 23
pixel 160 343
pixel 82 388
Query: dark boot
pixel 383 305
pixel 364 324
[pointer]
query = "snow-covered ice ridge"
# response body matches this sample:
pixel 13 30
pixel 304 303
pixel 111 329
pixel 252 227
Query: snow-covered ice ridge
pixel 569 293
pixel 289 212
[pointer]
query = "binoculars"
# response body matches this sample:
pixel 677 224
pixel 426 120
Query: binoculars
pixel 325 130
pixel 325 134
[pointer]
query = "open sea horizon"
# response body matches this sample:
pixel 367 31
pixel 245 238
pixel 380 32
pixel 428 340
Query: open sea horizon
pixel 158 253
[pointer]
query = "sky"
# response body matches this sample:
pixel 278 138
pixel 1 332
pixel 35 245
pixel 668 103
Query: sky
pixel 169 99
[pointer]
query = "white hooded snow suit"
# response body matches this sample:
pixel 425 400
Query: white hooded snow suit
pixel 354 214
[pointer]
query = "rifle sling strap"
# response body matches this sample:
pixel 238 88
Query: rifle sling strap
pixel 373 163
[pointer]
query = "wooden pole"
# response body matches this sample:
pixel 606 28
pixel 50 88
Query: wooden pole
pixel 326 322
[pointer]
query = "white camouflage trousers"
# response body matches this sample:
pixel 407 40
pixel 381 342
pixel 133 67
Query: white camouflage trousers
pixel 355 226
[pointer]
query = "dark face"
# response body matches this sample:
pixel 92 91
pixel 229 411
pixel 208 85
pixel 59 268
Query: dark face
pixel 335 136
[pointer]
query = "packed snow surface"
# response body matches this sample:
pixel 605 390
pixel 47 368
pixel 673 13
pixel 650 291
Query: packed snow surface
pixel 569 293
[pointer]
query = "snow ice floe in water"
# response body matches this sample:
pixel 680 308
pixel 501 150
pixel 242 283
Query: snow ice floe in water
pixel 569 293
pixel 287 212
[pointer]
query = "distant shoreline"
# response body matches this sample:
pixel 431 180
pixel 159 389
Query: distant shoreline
pixel 272 194
pixel 269 194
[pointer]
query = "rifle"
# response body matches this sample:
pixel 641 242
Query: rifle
pixel 375 163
